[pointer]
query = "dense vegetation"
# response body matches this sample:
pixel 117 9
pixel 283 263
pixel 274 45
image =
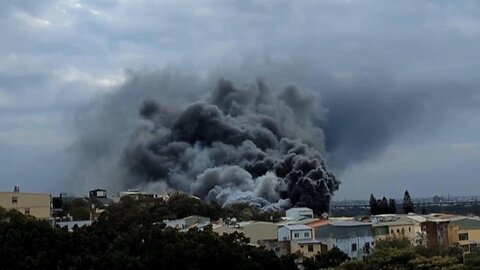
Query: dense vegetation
pixel 407 203
pixel 397 254
pixel 179 205
pixel 126 237
pixel 129 236
pixel 332 258
pixel 388 206
pixel 400 255
pixel 78 208
pixel 383 206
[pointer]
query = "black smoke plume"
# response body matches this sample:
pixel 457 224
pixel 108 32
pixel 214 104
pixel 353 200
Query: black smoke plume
pixel 240 145
pixel 158 147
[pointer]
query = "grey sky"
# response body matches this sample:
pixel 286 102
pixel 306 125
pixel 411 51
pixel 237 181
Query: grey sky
pixel 408 70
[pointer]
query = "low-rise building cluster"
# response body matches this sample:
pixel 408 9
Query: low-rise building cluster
pixel 357 236
pixel 299 232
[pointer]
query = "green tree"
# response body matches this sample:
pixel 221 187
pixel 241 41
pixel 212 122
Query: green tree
pixel 472 260
pixel 182 205
pixel 392 243
pixel 407 203
pixel 126 237
pixel 384 207
pixel 392 207
pixel 373 205
pixel 353 265
pixel 78 208
pixel 436 262
pixel 331 258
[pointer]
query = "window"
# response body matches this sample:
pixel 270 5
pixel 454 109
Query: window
pixel 398 230
pixel 354 246
pixel 27 211
pixel 277 249
pixel 296 235
pixel 307 234
pixel 310 248
pixel 14 199
pixel 409 229
pixel 367 247
pixel 391 232
pixel 463 236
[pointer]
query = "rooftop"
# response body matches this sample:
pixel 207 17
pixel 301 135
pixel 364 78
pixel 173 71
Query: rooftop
pixel 318 222
pixel 295 227
pixel 400 222
pixel 24 193
pixel 300 209
pixel 349 223
pixel 307 241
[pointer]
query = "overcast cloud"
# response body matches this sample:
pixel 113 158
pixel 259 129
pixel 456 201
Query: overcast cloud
pixel 400 79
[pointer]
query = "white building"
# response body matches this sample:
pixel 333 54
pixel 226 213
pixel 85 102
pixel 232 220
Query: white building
pixel 352 237
pixel 299 213
pixel 294 232
pixel 188 222
pixel 71 224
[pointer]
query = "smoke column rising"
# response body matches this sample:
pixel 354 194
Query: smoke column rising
pixel 240 145
pixel 154 134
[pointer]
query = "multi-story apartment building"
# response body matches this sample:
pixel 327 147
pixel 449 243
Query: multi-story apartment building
pixel 34 204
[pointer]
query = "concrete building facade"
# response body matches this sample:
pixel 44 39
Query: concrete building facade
pixel 188 222
pixel 261 231
pixel 352 237
pixel 465 232
pixel 308 247
pixel 34 204
pixel 298 213
pixel 294 232
pixel 399 227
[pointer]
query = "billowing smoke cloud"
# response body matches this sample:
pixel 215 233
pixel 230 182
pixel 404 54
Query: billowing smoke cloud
pixel 167 130
pixel 240 145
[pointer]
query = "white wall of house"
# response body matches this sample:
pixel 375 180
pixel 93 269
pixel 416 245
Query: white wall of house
pixel 283 234
pixel 301 234
pixel 354 247
pixel 71 224
pixel 286 234
pixel 299 213
pixel 177 223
